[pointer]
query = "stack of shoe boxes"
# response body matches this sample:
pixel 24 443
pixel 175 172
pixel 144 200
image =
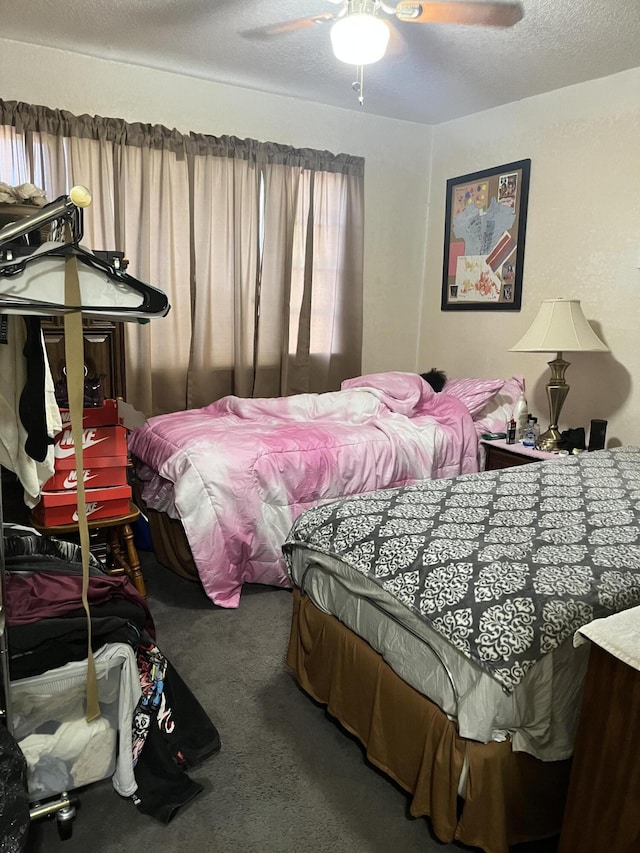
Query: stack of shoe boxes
pixel 104 447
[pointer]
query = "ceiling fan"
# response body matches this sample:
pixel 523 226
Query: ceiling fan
pixel 360 34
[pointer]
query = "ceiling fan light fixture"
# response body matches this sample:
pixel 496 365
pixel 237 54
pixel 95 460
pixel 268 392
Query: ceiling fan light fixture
pixel 359 38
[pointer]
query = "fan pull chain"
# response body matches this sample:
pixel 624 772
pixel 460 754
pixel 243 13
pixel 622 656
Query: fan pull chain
pixel 358 85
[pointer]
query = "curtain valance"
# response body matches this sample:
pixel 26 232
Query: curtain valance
pixel 26 118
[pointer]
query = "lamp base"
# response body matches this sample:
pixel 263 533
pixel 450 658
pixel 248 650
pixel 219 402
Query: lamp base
pixel 557 390
pixel 550 440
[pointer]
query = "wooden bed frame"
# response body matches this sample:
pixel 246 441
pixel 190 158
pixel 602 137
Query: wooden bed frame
pixel 509 797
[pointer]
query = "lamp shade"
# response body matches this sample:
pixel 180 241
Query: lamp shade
pixel 359 38
pixel 560 326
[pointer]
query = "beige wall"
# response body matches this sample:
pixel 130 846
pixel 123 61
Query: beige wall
pixel 583 236
pixel 583 242
pixel 396 168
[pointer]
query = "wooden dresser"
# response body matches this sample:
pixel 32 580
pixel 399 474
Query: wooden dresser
pixel 103 351
pixel 602 813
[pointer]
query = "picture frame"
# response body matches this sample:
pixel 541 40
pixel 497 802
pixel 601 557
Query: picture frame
pixel 484 239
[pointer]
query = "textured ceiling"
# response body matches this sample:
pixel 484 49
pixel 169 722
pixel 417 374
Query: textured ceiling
pixel 432 73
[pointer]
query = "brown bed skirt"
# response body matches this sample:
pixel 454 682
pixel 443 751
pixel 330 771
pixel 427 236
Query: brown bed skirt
pixel 510 797
pixel 170 543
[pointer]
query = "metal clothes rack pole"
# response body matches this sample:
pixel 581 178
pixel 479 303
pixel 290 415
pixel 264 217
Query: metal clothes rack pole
pixel 5 713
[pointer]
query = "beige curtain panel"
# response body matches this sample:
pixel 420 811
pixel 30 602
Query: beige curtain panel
pixel 258 246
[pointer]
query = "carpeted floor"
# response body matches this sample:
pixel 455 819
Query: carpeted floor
pixel 288 779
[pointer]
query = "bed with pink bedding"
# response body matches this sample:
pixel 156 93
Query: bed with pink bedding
pixel 237 472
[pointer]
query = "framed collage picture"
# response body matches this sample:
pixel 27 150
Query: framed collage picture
pixel 484 238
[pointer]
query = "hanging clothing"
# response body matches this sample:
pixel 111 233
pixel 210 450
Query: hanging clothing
pixel 32 404
pixel 17 440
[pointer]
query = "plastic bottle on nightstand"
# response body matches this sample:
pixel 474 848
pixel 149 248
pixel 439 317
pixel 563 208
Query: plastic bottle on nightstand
pixel 536 433
pixel 529 438
pixel 520 415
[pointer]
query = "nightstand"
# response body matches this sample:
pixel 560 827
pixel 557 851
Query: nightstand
pixel 499 454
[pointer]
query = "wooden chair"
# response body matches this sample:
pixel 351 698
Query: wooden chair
pixel 122 555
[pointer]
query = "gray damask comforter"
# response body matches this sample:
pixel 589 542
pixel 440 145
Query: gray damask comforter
pixel 504 564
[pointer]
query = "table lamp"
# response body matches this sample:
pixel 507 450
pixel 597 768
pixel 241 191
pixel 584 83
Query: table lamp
pixel 560 326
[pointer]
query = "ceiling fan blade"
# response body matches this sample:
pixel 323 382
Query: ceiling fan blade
pixel 453 12
pixel 292 26
pixel 397 43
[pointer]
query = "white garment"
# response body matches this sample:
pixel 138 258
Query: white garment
pixel 97 757
pixel 87 749
pixel 13 375
pixel 124 780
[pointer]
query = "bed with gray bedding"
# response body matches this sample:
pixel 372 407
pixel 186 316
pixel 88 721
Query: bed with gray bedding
pixel 471 588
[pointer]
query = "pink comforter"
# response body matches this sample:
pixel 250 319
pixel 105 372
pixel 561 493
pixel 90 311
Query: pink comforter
pixel 239 471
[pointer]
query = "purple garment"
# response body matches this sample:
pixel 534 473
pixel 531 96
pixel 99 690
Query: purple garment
pixel 41 595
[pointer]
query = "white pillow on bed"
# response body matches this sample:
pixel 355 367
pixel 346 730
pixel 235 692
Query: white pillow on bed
pixel 476 394
pixel 493 417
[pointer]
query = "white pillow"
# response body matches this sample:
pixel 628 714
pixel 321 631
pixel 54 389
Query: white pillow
pixel 499 410
pixel 476 394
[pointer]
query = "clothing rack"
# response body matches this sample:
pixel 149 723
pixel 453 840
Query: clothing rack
pixel 141 301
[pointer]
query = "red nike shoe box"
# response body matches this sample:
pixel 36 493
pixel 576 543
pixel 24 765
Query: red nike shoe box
pixel 110 413
pixel 105 415
pixel 96 441
pixel 100 472
pixel 58 508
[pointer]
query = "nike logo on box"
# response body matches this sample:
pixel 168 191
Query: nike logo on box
pixel 71 480
pixel 65 447
pixel 90 508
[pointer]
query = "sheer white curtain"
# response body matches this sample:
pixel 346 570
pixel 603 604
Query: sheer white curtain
pixel 258 247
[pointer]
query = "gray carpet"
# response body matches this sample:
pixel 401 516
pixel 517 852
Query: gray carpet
pixel 287 778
